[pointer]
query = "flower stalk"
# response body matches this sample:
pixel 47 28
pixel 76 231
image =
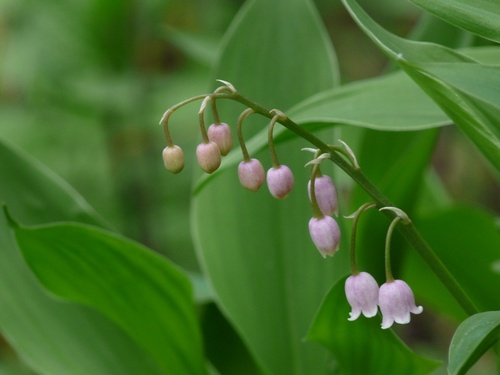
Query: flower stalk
pixel 409 232
pixel 352 251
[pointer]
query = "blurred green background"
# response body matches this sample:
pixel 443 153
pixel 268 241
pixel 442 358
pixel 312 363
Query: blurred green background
pixel 83 84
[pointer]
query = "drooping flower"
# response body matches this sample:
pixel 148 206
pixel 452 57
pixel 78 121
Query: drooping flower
pixel 396 302
pixel 362 294
pixel 173 158
pixel 251 174
pixel 221 135
pixel 209 157
pixel 325 233
pixel 326 194
pixel 280 181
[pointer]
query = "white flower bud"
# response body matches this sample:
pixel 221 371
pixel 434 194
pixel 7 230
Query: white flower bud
pixel 326 194
pixel 173 158
pixel 280 181
pixel 325 233
pixel 208 155
pixel 251 174
pixel 221 135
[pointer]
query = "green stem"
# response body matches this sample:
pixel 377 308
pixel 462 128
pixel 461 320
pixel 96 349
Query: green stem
pixel 203 129
pixel 388 269
pixel 314 203
pixel 352 253
pixel 247 112
pixel 215 113
pixel 270 141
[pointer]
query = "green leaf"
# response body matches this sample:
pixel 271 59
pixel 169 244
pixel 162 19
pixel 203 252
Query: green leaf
pixel 479 17
pixel 391 102
pixel 267 276
pixel 55 337
pixel 138 290
pixel 478 120
pixel 472 339
pixel 37 195
pixel 460 236
pixel 361 346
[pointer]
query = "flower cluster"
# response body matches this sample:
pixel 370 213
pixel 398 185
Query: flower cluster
pixel 394 298
pixel 217 142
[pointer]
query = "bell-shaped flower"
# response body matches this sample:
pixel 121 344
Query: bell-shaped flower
pixel 221 135
pixel 325 233
pixel 362 294
pixel 173 158
pixel 280 181
pixel 396 302
pixel 251 174
pixel 326 194
pixel 209 157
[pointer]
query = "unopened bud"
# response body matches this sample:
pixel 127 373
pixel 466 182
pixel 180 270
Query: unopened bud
pixel 280 181
pixel 221 134
pixel 251 174
pixel 173 158
pixel 208 155
pixel 325 233
pixel 326 194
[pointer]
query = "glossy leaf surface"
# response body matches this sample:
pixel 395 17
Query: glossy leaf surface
pixel 479 17
pixel 38 325
pixel 142 293
pixel 472 339
pixel 479 121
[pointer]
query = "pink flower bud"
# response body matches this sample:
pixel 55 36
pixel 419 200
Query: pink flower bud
pixel 208 155
pixel 326 194
pixel 280 181
pixel 362 294
pixel 221 134
pixel 251 174
pixel 173 158
pixel 396 302
pixel 325 233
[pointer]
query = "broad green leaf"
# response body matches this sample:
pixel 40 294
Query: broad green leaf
pixel 55 337
pixel 471 340
pixel 36 195
pixel 267 276
pixel 432 29
pixel 391 102
pixel 467 242
pixel 474 115
pixel 130 285
pixel 479 17
pixel 361 346
pixel 396 47
pixel 479 121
